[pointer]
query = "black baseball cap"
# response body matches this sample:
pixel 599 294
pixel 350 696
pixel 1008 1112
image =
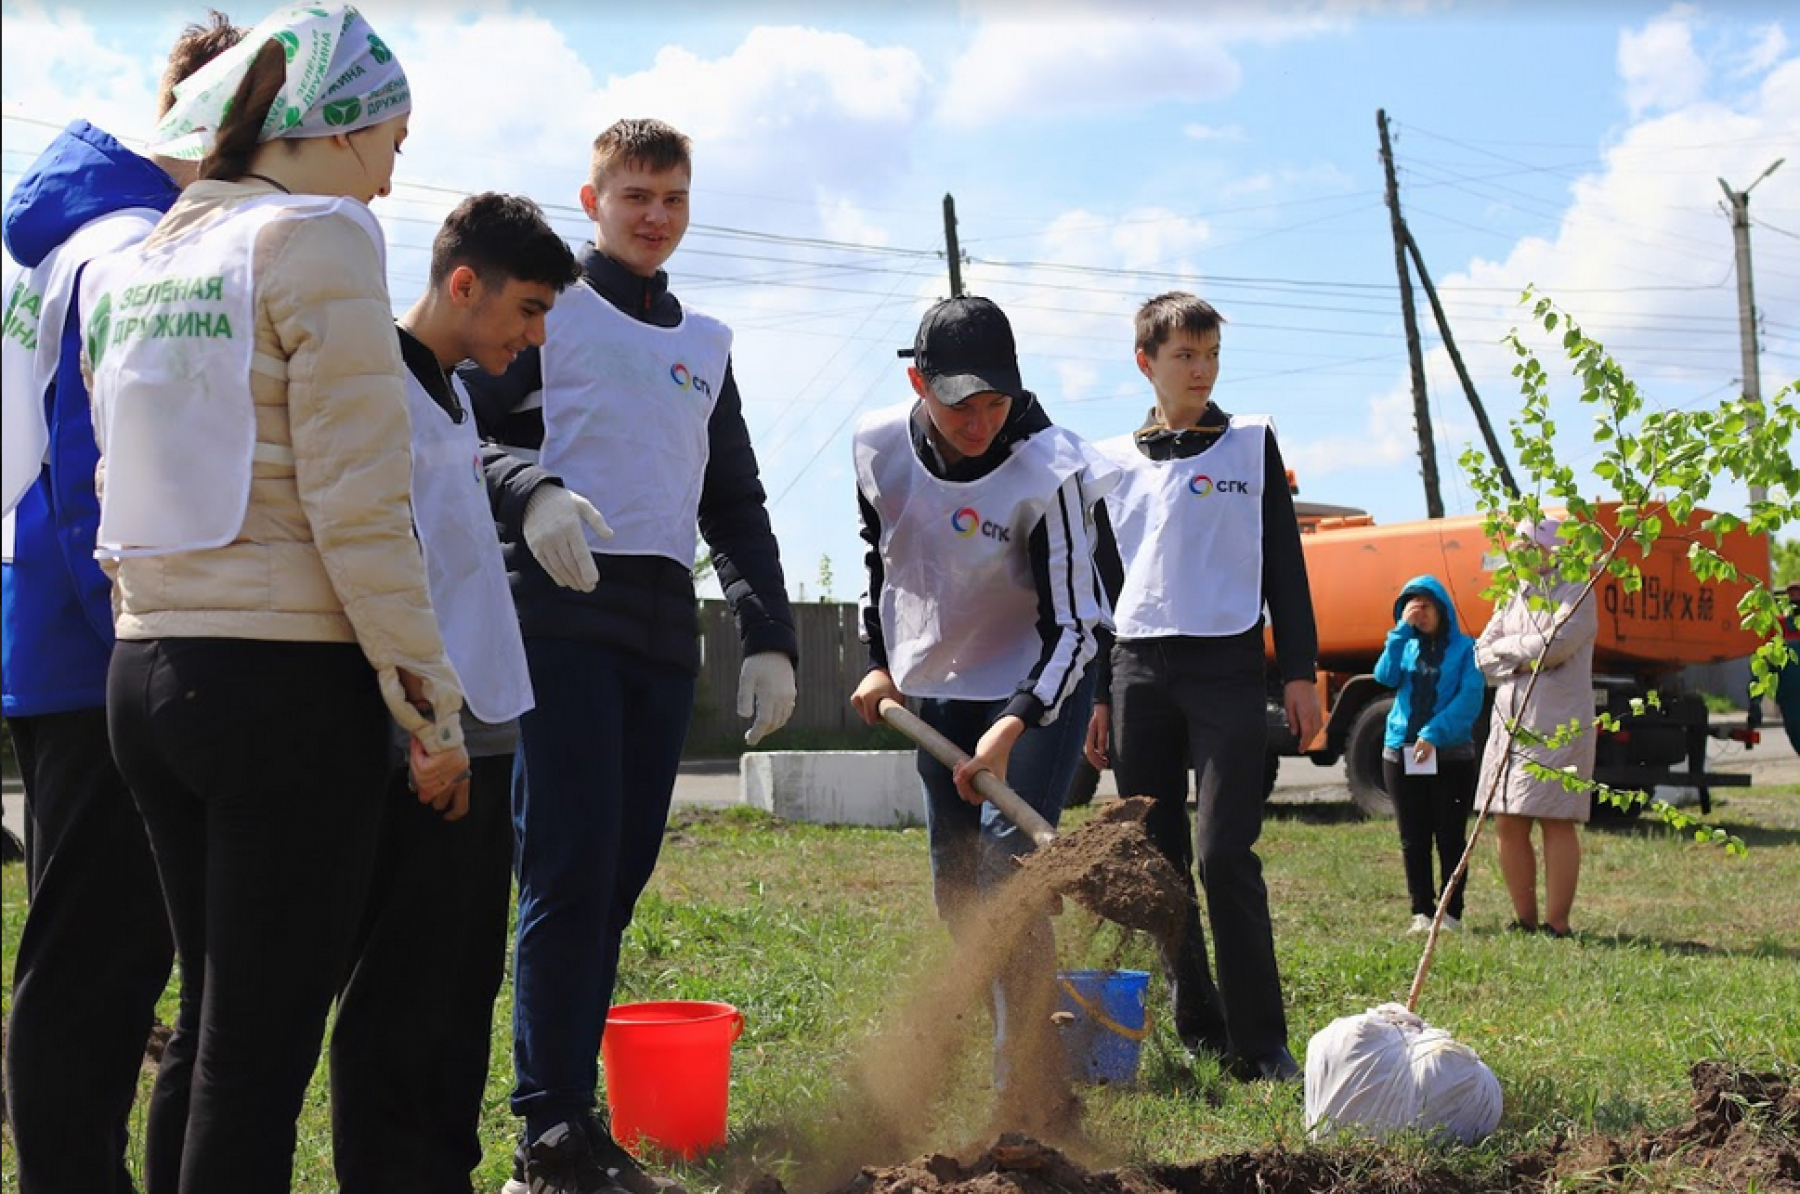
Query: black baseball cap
pixel 964 347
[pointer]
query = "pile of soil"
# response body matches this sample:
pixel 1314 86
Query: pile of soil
pixel 1745 1134
pixel 1112 868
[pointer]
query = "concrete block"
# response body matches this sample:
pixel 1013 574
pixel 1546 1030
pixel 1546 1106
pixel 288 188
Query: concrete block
pixel 835 787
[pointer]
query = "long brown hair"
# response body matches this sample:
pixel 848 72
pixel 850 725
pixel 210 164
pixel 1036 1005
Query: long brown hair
pixel 237 140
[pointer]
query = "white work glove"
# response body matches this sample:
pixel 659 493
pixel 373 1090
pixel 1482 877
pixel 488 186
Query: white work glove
pixel 766 691
pixel 553 520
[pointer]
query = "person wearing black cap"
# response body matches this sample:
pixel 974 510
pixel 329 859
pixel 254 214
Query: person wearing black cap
pixel 1196 541
pixel 984 605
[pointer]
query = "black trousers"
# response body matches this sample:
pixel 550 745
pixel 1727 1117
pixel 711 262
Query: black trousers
pixel 409 1047
pixel 1191 703
pixel 93 958
pixel 1432 810
pixel 259 767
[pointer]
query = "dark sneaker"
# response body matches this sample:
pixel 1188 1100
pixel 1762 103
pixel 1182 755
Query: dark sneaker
pixel 561 1161
pixel 621 1167
pixel 1278 1066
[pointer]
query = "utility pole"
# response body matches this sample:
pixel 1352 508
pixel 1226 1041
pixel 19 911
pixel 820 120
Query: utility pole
pixel 951 249
pixel 1434 500
pixel 1740 234
pixel 1462 371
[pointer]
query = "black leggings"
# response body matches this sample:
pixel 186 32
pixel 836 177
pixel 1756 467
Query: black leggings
pixel 93 958
pixel 1432 810
pixel 259 767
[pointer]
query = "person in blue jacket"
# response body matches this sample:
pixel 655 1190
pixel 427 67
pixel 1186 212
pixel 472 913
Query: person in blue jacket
pixel 1429 758
pixel 95 952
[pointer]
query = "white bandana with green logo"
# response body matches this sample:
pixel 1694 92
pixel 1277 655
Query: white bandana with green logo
pixel 341 77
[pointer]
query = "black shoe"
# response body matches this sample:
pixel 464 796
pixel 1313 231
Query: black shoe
pixel 1550 930
pixel 1278 1066
pixel 621 1167
pixel 1519 926
pixel 560 1161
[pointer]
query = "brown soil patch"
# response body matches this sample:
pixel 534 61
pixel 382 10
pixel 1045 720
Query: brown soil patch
pixel 1745 1134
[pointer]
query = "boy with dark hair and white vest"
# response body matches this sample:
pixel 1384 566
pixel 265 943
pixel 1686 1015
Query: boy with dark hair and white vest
pixel 630 401
pixel 409 1050
pixel 983 604
pixel 1199 537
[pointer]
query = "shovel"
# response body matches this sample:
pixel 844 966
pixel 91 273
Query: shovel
pixel 1108 866
pixel 1012 806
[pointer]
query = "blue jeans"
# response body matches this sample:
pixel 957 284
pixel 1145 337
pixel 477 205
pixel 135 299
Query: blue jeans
pixel 596 769
pixel 972 849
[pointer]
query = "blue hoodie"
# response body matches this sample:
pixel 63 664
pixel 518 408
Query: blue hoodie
pixel 55 603
pixel 1460 688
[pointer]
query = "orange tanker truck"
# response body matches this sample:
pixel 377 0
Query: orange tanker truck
pixel 1646 638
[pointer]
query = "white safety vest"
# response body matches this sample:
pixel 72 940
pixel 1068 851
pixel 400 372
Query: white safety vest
pixel 170 332
pixel 959 605
pixel 626 408
pixel 37 305
pixel 1190 535
pixel 464 572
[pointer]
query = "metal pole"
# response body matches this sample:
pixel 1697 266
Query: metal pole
pixel 1434 498
pixel 951 249
pixel 1740 235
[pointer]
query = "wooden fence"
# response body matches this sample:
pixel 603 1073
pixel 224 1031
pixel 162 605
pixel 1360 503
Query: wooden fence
pixel 832 662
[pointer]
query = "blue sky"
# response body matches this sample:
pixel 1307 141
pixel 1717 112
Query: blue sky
pixel 1099 154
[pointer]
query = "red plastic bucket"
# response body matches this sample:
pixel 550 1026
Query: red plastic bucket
pixel 668 1073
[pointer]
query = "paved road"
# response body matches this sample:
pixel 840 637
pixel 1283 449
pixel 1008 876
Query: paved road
pixel 714 783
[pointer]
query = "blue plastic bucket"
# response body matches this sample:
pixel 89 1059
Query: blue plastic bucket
pixel 1109 1021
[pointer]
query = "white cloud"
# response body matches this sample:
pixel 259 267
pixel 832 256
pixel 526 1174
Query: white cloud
pixel 1770 45
pixel 1038 67
pixel 789 110
pixel 50 53
pixel 1659 65
pixel 1207 132
pixel 1643 260
pixel 1385 439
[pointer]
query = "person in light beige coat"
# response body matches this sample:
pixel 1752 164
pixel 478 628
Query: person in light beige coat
pixel 243 359
pixel 1559 643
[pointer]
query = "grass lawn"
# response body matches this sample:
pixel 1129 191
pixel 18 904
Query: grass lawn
pixel 1684 954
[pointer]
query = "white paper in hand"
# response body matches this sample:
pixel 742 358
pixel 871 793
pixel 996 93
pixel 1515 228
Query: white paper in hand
pixel 1418 766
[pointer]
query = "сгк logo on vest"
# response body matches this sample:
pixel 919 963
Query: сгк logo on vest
pixel 966 521
pixel 684 380
pixel 1203 486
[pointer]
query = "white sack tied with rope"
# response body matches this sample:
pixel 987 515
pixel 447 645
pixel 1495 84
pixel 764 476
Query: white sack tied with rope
pixel 1387 1070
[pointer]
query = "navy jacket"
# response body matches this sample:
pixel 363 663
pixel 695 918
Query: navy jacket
pixel 1459 690
pixel 55 603
pixel 643 604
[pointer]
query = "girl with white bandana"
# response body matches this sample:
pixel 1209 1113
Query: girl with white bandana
pixel 270 599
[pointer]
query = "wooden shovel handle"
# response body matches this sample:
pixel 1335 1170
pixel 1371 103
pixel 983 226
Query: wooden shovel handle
pixel 1012 806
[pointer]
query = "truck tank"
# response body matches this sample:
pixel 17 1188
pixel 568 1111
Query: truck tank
pixel 1355 568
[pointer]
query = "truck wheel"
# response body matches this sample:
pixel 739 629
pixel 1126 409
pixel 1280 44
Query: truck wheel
pixel 1362 758
pixel 1082 785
